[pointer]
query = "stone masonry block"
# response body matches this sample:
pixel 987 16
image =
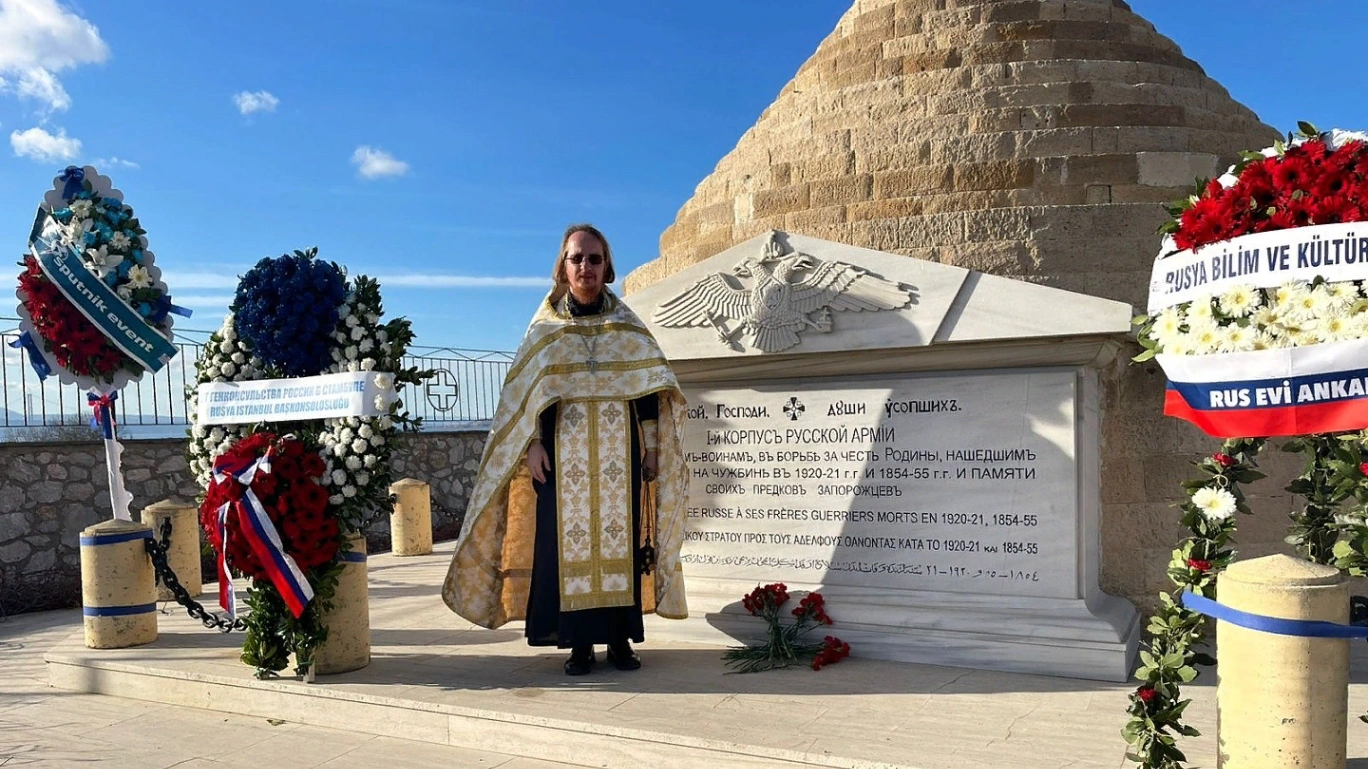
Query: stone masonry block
pixel 1175 169
pixel 809 221
pixel 903 184
pixel 892 208
pixel 1100 169
pixel 781 201
pixel 841 191
pixel 993 176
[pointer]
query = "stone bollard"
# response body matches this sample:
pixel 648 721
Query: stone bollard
pixel 118 590
pixel 1282 700
pixel 183 551
pixel 348 621
pixel 411 521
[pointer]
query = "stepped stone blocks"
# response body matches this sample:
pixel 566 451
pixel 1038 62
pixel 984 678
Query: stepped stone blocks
pixel 1029 138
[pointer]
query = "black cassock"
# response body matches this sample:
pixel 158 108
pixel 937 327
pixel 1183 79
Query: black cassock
pixel 547 625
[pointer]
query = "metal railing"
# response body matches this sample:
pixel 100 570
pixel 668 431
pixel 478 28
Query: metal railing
pixel 464 389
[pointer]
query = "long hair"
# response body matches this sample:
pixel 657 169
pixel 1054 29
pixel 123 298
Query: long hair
pixel 558 272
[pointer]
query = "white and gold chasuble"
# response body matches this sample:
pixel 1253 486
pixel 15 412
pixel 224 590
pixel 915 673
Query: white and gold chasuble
pixel 591 368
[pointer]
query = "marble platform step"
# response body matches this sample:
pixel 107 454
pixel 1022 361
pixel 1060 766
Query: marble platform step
pixel 434 678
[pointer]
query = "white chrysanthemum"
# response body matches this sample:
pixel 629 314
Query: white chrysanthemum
pixel 1335 328
pixel 340 449
pixel 139 277
pixel 352 321
pixel 349 491
pixel 1240 301
pixel 366 345
pixel 385 423
pixel 351 352
pixel 1206 339
pixel 1342 294
pixel 216 434
pixel 120 241
pixel 226 347
pixel 360 446
pixel 1265 341
pixel 365 431
pixel 1181 345
pixel 378 440
pixel 368 364
pixel 228 368
pixel 1168 324
pixel 1215 504
pixel 353 463
pixel 371 459
pixel 345 435
pixel 372 319
pixel 336 499
pixel 363 479
pixel 1238 339
pixel 357 333
pixel 382 335
pixel 1290 295
pixel 1263 317
pixel 339 477
pixel 198 431
pixel 239 358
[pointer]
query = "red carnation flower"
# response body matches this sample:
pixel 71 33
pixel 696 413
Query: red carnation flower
pixel 1146 694
pixel 1224 460
pixel 1199 564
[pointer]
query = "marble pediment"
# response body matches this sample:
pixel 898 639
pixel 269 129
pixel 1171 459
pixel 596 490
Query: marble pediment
pixel 787 294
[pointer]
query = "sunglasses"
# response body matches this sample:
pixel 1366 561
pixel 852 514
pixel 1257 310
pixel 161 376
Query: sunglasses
pixel 578 259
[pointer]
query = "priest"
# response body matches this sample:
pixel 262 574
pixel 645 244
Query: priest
pixel 577 514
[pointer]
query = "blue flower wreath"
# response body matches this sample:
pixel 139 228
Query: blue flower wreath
pixel 286 309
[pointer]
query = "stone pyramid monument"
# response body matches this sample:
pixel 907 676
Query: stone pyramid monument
pixel 1033 139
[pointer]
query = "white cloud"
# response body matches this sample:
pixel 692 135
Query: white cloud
pixel 37 144
pixel 373 163
pixel 462 281
pixel 255 101
pixel 39 38
pixel 114 162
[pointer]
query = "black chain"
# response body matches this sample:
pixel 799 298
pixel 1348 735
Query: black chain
pixel 157 551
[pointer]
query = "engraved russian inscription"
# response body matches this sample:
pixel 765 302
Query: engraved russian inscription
pixel 942 482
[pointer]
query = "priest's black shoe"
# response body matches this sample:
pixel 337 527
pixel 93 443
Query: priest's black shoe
pixel 622 657
pixel 581 661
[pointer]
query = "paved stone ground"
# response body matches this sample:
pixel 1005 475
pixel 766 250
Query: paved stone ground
pixel 435 677
pixel 46 728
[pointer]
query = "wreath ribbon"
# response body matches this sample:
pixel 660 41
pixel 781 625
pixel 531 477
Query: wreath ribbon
pixel 261 534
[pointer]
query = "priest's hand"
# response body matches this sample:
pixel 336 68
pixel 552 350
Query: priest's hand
pixel 538 463
pixel 650 466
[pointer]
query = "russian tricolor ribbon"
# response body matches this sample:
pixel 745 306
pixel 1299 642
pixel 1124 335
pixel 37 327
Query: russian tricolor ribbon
pixel 102 404
pixel 261 534
pixel 1318 388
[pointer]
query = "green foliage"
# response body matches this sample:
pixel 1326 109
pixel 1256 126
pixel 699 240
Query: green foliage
pixel 1169 658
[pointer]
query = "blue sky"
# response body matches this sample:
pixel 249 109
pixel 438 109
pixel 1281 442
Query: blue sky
pixel 444 144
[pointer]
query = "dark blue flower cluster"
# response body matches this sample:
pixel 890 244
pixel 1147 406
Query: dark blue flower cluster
pixel 286 309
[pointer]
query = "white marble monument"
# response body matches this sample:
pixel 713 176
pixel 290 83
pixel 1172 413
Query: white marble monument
pixel 918 441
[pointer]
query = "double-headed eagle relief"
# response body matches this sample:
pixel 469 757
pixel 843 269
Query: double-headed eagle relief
pixel 792 293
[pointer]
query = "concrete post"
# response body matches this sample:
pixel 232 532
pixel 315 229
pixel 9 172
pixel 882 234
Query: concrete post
pixel 348 646
pixel 411 521
pixel 183 551
pixel 118 591
pixel 1282 700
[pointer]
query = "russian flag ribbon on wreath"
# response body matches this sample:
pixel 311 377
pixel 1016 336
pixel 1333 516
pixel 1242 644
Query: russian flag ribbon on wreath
pixel 261 534
pixel 1285 391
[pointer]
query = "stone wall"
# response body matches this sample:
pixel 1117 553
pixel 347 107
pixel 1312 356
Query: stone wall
pixel 50 492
